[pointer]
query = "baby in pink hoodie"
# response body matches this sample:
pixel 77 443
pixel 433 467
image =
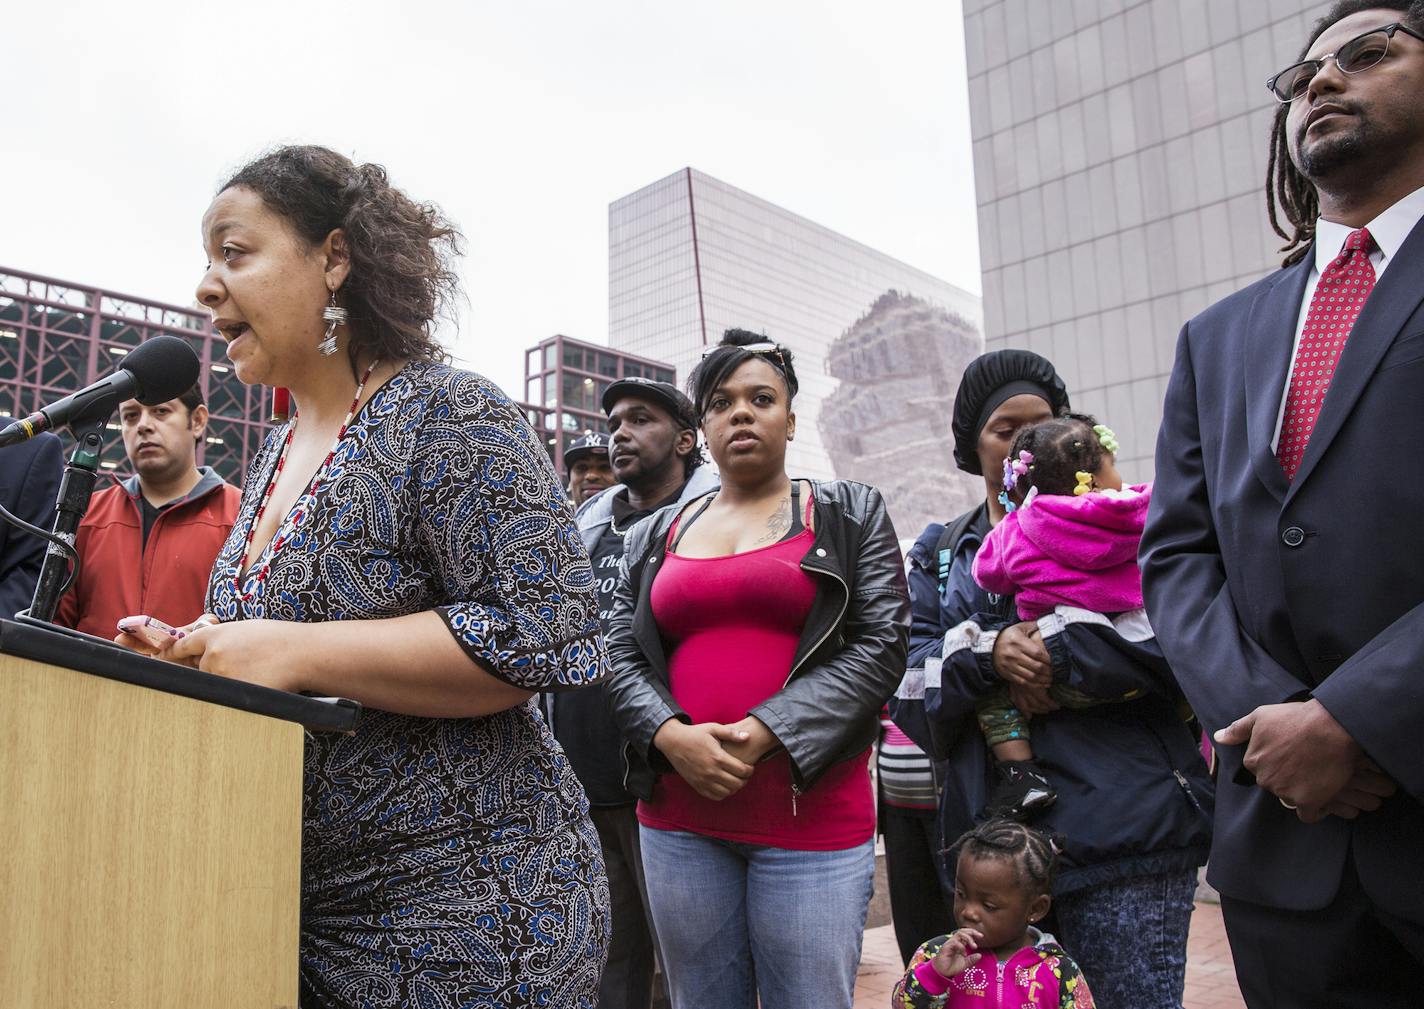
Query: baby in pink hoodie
pixel 1070 539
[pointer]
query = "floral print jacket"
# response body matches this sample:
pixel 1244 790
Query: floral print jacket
pixel 1039 975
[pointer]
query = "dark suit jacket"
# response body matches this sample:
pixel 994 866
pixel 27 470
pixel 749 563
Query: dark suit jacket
pixel 29 483
pixel 1262 590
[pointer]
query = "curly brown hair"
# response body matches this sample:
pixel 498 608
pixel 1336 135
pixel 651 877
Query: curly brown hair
pixel 1288 192
pixel 402 252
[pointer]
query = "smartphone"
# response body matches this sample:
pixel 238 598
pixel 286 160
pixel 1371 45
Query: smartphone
pixel 150 629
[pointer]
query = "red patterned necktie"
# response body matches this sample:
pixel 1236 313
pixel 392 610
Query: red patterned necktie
pixel 1338 298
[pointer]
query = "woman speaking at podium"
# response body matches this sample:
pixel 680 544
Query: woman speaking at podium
pixel 402 541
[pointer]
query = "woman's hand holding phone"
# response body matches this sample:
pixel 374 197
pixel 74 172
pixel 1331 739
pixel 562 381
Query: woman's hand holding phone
pixel 257 651
pixel 151 636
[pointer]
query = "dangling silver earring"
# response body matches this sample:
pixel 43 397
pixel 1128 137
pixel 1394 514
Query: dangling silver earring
pixel 335 316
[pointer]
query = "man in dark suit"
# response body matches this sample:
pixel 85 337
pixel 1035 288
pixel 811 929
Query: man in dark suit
pixel 29 483
pixel 1283 561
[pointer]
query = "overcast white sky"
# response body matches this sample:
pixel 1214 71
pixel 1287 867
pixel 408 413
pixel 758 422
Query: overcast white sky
pixel 523 120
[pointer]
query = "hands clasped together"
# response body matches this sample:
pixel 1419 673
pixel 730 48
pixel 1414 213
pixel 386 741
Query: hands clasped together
pixel 715 759
pixel 1299 753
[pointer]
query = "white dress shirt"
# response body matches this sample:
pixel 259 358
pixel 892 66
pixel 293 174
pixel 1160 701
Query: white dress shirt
pixel 1389 230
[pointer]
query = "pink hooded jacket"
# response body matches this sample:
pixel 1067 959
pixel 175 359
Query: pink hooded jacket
pixel 1068 551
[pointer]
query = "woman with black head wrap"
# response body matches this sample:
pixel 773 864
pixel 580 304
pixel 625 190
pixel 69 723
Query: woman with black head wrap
pixel 999 393
pixel 1134 797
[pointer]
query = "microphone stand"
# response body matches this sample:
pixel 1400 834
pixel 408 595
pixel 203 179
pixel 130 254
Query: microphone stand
pixel 72 502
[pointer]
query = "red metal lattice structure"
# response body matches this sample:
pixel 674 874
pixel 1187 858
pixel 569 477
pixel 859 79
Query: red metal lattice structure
pixel 57 337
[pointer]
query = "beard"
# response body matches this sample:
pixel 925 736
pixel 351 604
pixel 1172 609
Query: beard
pixel 1379 136
pixel 1330 154
pixel 1345 145
pixel 639 473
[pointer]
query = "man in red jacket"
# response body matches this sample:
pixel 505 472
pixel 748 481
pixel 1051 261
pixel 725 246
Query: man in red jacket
pixel 148 543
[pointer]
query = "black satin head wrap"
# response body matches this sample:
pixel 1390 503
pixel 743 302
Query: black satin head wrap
pixel 990 380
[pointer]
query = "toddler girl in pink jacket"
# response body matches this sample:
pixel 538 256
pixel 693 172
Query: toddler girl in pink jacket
pixel 1070 539
pixel 997 959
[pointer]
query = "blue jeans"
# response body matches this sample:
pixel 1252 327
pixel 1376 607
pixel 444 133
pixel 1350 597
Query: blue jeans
pixel 737 920
pixel 1130 938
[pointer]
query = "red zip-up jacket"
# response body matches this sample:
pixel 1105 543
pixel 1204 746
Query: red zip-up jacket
pixel 168 579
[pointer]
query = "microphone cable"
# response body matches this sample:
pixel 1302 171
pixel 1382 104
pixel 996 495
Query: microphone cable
pixel 66 548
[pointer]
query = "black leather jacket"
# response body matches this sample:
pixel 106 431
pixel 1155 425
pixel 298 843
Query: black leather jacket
pixel 850 658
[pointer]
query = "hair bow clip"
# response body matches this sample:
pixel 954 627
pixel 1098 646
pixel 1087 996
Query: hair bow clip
pixel 1085 482
pixel 1106 437
pixel 1016 468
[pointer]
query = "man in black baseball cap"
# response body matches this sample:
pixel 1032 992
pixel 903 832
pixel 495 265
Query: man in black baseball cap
pixel 664 394
pixel 589 470
pixel 653 451
pixel 654 445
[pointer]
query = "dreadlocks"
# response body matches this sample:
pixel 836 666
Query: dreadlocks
pixel 1286 188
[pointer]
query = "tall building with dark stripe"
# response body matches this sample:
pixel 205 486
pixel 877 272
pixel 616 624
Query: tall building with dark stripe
pixel 879 344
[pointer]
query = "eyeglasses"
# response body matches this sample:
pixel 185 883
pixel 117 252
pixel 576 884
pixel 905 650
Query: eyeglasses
pixel 1355 56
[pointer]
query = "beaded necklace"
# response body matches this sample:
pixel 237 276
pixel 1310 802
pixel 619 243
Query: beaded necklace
pixel 294 518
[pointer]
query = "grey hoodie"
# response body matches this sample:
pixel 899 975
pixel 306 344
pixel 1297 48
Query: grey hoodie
pixel 594 515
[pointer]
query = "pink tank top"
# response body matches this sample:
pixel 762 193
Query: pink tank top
pixel 732 625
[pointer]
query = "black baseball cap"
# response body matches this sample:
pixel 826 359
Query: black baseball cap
pixel 587 444
pixel 664 394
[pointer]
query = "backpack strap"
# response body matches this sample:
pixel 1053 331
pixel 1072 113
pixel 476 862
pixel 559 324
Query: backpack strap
pixel 948 540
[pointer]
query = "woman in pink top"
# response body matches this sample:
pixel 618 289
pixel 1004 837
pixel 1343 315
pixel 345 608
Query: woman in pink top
pixel 755 635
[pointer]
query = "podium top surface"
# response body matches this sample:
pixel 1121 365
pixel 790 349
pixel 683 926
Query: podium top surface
pixel 87 654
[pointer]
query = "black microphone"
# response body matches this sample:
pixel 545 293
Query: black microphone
pixel 154 372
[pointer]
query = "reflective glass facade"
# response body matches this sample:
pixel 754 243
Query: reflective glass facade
pixel 1120 159
pixel 690 256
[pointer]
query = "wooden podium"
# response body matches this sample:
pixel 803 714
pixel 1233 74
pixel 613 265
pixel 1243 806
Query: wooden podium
pixel 150 829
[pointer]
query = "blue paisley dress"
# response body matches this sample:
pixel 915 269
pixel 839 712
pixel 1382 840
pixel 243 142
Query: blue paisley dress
pixel 445 862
